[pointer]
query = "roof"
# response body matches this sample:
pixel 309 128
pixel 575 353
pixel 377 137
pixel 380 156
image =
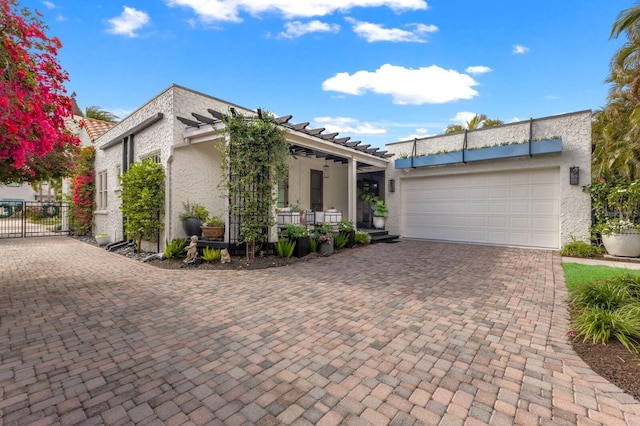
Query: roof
pixel 283 121
pixel 96 128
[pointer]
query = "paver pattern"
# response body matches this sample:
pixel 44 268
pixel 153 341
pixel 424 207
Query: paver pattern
pixel 401 334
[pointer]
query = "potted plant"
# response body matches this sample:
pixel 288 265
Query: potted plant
pixel 300 235
pixel 616 207
pixel 346 227
pixel 213 227
pixel 103 239
pixel 192 216
pixel 380 212
pixel 324 236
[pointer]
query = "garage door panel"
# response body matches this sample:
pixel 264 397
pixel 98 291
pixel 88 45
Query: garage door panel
pixel 519 207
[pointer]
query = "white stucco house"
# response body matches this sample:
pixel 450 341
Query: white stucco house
pixel 530 197
pixel 179 128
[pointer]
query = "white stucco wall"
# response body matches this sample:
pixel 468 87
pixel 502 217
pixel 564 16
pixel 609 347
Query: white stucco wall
pixel 334 187
pixel 575 131
pixel 159 138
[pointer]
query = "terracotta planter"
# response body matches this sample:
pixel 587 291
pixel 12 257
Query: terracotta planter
pixel 624 244
pixel 212 231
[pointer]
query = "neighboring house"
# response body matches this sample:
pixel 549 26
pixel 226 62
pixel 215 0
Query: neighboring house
pixel 485 196
pixel 179 128
pixel 87 134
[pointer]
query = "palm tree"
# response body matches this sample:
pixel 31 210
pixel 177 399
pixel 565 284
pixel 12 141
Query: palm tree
pixel 98 113
pixel 477 122
pixel 626 22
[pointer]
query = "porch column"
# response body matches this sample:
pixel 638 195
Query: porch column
pixel 352 181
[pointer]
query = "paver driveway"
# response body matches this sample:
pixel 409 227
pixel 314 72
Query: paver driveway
pixel 409 333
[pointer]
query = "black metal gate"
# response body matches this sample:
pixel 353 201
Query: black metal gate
pixel 21 219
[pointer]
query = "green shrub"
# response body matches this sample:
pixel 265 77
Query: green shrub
pixel 313 245
pixel 603 294
pixel 580 249
pixel 346 225
pixel 599 325
pixel 341 239
pixel 362 238
pixel 284 247
pixel 293 231
pixel 210 254
pixel 175 248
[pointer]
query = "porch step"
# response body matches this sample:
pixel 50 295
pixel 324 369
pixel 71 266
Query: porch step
pixel 381 236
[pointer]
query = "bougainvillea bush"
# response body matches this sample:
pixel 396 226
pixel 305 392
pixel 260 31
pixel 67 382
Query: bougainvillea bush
pixel 83 194
pixel 33 100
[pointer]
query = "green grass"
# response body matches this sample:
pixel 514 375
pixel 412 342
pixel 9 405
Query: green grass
pixel 575 273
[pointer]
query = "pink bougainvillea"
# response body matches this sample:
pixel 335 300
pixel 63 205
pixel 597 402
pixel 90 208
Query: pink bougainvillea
pixel 33 100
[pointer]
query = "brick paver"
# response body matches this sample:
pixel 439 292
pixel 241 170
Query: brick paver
pixel 399 334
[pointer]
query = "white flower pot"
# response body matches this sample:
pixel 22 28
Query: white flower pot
pixel 378 222
pixel 103 239
pixel 624 244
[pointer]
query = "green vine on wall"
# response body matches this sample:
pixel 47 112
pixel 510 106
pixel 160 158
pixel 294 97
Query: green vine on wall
pixel 143 201
pixel 256 158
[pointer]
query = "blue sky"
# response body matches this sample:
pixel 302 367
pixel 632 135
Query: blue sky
pixel 376 70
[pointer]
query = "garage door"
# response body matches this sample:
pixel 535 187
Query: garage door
pixel 520 208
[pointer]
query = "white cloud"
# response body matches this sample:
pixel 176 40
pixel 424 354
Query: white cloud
pixel 552 97
pixel 519 49
pixel 463 117
pixel 129 21
pixel 49 5
pixel 230 10
pixel 297 29
pixel 479 69
pixel 348 125
pixel 426 85
pixel 418 134
pixel 375 32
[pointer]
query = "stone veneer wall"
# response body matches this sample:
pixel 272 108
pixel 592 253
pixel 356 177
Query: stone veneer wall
pixel 575 131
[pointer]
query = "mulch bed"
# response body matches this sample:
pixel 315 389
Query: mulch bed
pixel 238 263
pixel 613 362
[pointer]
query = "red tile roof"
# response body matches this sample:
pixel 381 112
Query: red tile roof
pixel 96 128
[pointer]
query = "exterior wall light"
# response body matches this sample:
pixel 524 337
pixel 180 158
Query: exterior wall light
pixel 574 175
pixel 392 185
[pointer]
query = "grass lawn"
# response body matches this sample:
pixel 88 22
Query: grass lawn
pixel 575 273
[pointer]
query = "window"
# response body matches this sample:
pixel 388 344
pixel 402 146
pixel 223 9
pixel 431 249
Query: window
pixel 127 152
pixel 283 193
pixel 102 190
pixel 155 157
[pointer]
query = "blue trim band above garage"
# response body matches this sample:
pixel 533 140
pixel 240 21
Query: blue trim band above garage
pixel 138 128
pixel 526 149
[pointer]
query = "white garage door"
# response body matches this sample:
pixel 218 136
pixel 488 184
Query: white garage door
pixel 520 208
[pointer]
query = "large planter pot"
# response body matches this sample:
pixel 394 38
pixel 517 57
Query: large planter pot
pixel 191 227
pixel 326 248
pixel 212 231
pixel 624 244
pixel 103 240
pixel 302 247
pixel 378 222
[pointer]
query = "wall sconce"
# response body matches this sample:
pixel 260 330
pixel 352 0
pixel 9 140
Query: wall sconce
pixel 326 170
pixel 392 185
pixel 574 175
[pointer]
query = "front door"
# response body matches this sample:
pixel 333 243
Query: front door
pixel 316 190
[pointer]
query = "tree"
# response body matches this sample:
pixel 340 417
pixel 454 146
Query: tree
pixel 616 127
pixel 98 113
pixel 143 201
pixel 83 191
pixel 478 121
pixel 33 101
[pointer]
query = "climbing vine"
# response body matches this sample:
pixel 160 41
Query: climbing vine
pixel 256 157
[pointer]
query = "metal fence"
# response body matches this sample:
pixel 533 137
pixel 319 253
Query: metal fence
pixel 21 219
